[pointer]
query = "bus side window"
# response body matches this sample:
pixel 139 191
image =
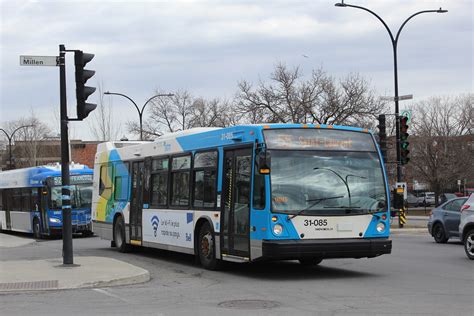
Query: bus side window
pixel 105 185
pixel 26 199
pixel 16 200
pixel 1 199
pixel 35 199
pixel 180 174
pixel 258 190
pixel 205 180
pixel 121 182
pixel 159 182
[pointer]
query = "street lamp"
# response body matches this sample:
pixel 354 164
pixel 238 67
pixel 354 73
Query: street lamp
pixel 10 138
pixel 140 112
pixel 394 45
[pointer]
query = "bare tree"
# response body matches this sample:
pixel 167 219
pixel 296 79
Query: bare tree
pixel 442 147
pixel 321 99
pixel 183 111
pixel 103 125
pixel 28 147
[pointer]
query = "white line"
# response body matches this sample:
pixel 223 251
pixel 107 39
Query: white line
pixel 105 292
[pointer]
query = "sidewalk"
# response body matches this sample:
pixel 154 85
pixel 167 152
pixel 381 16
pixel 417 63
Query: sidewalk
pixel 51 274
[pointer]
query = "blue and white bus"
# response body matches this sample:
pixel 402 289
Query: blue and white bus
pixel 30 200
pixel 246 193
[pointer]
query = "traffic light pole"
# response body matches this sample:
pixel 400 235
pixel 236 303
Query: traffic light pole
pixel 66 192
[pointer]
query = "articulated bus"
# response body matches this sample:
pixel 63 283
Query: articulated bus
pixel 246 193
pixel 31 200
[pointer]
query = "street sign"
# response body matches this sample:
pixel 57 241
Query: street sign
pixel 401 97
pixel 39 61
pixel 405 97
pixel 402 188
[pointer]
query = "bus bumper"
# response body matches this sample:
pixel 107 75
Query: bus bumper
pixel 326 248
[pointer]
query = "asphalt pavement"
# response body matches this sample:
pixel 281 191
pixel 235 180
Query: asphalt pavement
pixel 420 277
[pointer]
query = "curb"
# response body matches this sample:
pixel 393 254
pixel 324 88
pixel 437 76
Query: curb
pixel 401 231
pixel 136 279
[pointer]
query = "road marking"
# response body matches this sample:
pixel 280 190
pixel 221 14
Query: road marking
pixel 105 292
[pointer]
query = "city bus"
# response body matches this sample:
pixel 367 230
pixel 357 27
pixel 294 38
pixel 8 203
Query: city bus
pixel 31 200
pixel 246 193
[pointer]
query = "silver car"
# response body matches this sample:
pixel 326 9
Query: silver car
pixel 466 226
pixel 444 220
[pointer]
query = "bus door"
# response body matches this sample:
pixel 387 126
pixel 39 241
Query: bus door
pixel 235 238
pixel 40 203
pixel 7 203
pixel 136 205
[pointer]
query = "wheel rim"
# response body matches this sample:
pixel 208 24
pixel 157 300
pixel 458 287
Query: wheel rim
pixel 470 245
pixel 438 232
pixel 206 245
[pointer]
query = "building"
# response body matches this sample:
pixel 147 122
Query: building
pixel 42 152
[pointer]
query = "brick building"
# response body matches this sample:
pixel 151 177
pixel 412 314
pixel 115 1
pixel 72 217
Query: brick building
pixel 37 153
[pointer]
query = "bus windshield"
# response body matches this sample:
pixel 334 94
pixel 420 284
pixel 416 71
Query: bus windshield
pixel 326 183
pixel 325 172
pixel 81 196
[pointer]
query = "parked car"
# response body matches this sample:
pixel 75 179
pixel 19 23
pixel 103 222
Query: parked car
pixel 443 197
pixel 444 220
pixel 413 200
pixel 428 198
pixel 466 226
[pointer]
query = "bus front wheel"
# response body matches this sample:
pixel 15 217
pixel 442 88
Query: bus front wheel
pixel 119 235
pixel 206 248
pixel 36 228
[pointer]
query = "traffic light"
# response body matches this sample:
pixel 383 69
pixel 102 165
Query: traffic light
pixel 82 91
pixel 404 140
pixel 382 136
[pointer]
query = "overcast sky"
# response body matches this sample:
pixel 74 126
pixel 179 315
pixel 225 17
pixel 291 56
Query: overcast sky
pixel 206 47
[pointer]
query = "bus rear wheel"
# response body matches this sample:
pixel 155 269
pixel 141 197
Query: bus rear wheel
pixel 36 228
pixel 309 262
pixel 119 235
pixel 206 248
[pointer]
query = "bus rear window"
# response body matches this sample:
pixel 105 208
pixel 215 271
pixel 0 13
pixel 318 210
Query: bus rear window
pixel 318 139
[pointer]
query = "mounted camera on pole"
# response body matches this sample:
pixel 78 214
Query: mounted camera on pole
pixel 82 91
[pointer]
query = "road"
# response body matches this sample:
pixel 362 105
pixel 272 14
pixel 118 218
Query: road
pixel 419 277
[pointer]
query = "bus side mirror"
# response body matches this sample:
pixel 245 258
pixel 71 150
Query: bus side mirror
pixel 264 162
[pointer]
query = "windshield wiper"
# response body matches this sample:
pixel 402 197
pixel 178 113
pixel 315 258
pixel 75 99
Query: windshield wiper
pixel 316 201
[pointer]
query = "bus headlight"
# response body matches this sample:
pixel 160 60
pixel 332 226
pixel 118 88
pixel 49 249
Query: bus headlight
pixel 54 220
pixel 381 227
pixel 277 229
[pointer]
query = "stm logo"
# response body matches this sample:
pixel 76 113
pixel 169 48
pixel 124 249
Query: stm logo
pixel 155 222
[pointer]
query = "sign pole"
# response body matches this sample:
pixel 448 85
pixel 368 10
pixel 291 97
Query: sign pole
pixel 66 192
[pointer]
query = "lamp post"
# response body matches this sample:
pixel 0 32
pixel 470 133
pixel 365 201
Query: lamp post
pixel 140 112
pixel 394 41
pixel 10 138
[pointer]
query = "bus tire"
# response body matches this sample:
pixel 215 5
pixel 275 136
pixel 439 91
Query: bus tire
pixel 309 262
pixel 36 228
pixel 206 248
pixel 119 235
